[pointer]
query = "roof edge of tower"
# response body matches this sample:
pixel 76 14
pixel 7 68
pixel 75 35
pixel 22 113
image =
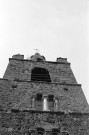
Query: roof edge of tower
pixel 41 82
pixel 53 62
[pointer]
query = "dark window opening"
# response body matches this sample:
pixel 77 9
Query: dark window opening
pixel 55 131
pixel 50 97
pixel 39 101
pixel 39 96
pixel 40 131
pixel 51 102
pixel 40 74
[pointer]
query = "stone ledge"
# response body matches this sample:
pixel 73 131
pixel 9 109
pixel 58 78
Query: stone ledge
pixel 41 82
pixel 53 62
pixel 47 112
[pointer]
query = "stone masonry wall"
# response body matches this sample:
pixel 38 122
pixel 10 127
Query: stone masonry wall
pixel 18 94
pixel 21 70
pixel 26 122
pixel 18 116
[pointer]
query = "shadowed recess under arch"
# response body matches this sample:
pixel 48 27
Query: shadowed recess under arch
pixel 40 74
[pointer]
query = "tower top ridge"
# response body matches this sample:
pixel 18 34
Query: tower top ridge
pixel 37 57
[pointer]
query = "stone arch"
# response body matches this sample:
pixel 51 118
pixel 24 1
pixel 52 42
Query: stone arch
pixel 64 133
pixel 55 131
pixel 40 131
pixel 40 74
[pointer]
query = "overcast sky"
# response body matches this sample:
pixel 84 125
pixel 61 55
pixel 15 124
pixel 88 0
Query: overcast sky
pixel 58 28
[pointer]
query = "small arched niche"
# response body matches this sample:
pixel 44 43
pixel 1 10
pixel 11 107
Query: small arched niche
pixel 64 133
pixel 55 131
pixel 40 131
pixel 38 101
pixel 40 74
pixel 51 102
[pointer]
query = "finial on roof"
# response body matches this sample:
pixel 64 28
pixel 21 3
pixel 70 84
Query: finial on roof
pixel 36 50
pixel 37 57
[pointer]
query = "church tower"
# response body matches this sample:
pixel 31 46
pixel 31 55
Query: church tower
pixel 39 97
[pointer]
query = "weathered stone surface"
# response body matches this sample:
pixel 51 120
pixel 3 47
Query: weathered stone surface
pixel 23 122
pixel 21 70
pixel 18 93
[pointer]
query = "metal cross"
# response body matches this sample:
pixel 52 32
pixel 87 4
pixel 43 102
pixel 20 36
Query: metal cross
pixel 36 50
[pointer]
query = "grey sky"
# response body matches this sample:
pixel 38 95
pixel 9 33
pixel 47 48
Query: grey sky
pixel 58 28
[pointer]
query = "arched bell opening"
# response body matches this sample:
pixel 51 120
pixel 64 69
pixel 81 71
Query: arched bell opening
pixel 40 74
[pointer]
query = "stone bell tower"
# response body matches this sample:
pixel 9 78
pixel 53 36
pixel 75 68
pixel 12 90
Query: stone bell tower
pixel 39 97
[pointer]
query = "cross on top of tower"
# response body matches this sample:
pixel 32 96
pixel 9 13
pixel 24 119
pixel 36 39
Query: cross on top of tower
pixel 36 50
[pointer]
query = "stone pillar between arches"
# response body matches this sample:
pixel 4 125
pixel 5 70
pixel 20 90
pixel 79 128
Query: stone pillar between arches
pixel 45 104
